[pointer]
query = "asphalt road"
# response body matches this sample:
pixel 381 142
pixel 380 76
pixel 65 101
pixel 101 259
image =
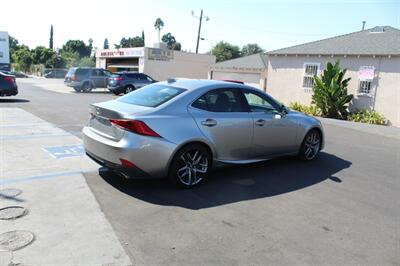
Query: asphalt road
pixel 341 209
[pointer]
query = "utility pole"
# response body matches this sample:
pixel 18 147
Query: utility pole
pixel 198 33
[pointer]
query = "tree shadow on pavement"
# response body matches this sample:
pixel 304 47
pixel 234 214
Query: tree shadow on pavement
pixel 14 101
pixel 235 183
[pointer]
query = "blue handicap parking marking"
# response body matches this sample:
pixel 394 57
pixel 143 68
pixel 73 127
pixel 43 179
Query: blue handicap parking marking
pixel 60 152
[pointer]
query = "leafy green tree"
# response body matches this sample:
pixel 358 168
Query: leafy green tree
pixel 131 42
pixel 176 46
pixel 23 58
pixel 106 45
pixel 56 61
pixel 158 25
pixel 251 48
pixel 51 38
pixel 87 62
pixel 71 59
pixel 225 51
pixel 330 92
pixel 14 46
pixel 171 42
pixel 41 55
pixel 77 46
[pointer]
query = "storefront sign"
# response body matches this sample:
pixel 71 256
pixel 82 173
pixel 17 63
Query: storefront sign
pixel 124 52
pixel 160 54
pixel 366 73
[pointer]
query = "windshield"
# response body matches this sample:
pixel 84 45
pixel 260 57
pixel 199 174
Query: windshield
pixel 151 95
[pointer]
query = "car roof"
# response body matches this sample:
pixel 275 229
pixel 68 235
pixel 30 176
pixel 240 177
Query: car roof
pixel 194 84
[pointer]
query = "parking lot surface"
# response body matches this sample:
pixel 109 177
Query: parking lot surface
pixel 341 209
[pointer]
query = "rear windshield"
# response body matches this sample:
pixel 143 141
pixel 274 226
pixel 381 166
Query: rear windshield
pixel 151 95
pixel 116 75
pixel 71 71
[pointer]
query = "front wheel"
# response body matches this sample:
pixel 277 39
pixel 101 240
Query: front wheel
pixel 311 145
pixel 190 166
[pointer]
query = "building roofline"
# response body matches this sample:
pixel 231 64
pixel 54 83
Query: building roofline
pixel 281 51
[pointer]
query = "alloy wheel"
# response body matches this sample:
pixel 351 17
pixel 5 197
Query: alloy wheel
pixel 193 166
pixel 312 145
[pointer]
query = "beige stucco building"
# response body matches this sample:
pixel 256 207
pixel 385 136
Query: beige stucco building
pixel 158 63
pixel 372 58
pixel 251 70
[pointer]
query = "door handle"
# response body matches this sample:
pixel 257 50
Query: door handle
pixel 260 122
pixel 209 122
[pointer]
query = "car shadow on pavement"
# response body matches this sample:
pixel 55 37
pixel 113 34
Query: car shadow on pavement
pixel 235 183
pixel 14 101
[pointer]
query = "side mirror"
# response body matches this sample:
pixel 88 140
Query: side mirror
pixel 283 110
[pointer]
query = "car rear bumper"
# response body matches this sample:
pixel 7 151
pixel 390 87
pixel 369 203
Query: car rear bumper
pixel 9 91
pixel 150 156
pixel 73 84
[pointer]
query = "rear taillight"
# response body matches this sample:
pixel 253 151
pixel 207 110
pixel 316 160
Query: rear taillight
pixel 126 163
pixel 119 78
pixel 135 126
pixel 9 80
pixel 73 77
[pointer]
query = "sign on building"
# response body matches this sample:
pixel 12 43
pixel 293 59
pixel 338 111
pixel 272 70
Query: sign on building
pixel 366 73
pixel 4 50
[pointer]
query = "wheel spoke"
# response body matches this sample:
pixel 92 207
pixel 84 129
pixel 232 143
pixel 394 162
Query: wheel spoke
pixel 194 174
pixel 194 156
pixel 184 159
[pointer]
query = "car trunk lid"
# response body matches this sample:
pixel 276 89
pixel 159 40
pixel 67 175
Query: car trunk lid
pixel 102 113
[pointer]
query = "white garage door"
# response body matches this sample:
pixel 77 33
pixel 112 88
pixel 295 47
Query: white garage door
pixel 248 78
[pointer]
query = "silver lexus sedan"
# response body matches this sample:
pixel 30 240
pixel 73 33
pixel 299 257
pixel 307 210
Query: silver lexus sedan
pixel 181 128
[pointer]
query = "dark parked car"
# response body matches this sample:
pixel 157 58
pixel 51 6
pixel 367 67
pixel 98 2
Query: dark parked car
pixel 85 79
pixel 125 82
pixel 8 86
pixel 56 74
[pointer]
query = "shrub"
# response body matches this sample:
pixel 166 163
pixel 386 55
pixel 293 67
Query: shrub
pixel 310 110
pixel 330 92
pixel 367 116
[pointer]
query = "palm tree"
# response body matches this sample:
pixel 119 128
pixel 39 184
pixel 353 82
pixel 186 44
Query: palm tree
pixel 158 25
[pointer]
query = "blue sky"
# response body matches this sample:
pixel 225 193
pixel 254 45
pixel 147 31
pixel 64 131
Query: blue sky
pixel 271 24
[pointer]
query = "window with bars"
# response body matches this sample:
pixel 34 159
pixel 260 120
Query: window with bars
pixel 310 70
pixel 364 86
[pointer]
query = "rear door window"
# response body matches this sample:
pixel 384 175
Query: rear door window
pixel 221 100
pixel 82 71
pixel 152 95
pixel 132 75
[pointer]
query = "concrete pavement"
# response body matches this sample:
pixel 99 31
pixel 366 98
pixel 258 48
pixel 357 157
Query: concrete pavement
pixel 67 222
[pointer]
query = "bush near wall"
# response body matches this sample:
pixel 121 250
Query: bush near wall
pixel 309 110
pixel 362 116
pixel 367 116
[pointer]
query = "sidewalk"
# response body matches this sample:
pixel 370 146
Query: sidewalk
pixel 45 165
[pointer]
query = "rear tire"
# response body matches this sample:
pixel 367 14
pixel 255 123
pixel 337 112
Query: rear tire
pixel 86 87
pixel 311 145
pixel 129 89
pixel 190 166
pixel 77 89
